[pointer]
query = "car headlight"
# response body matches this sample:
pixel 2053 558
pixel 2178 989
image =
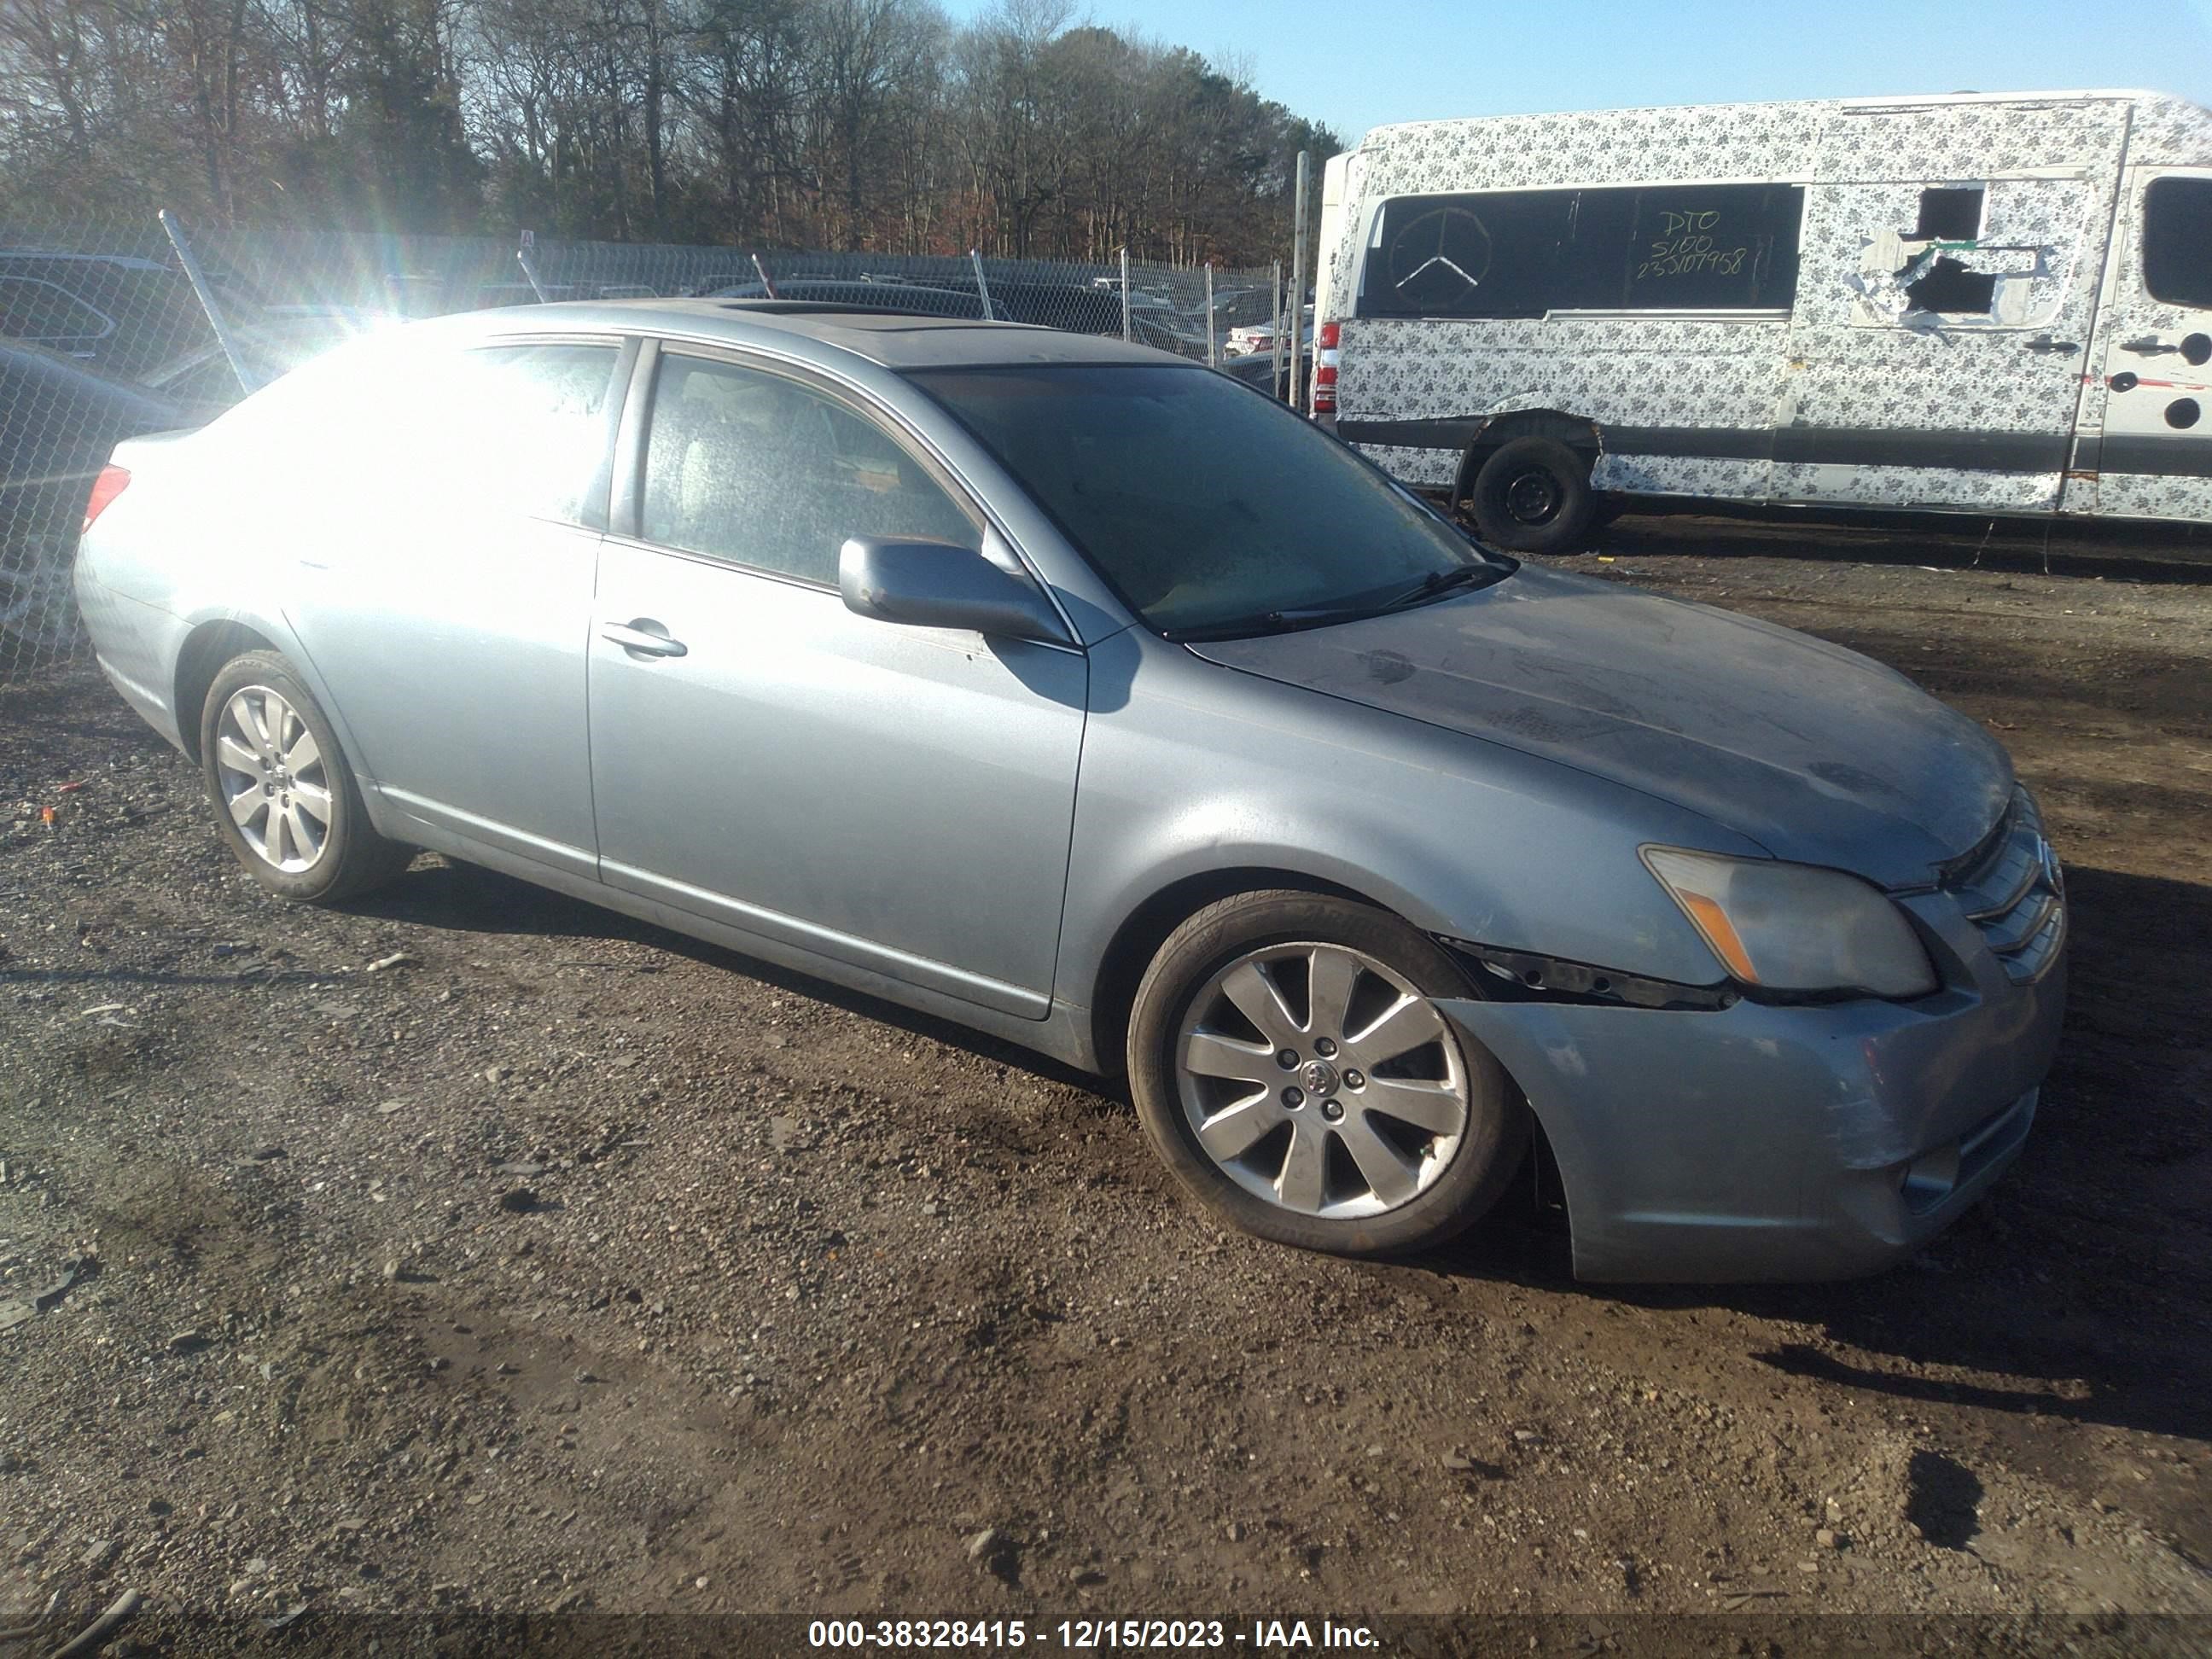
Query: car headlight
pixel 1793 927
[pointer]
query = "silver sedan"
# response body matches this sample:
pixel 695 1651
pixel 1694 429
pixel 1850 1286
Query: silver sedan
pixel 1080 696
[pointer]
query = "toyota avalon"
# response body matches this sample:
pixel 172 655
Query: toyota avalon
pixel 1080 695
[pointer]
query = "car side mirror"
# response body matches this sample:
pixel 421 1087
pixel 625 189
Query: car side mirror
pixel 941 584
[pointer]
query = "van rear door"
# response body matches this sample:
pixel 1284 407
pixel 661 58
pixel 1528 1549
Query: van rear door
pixel 2155 457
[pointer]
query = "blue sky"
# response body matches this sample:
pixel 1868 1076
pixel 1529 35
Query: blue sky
pixel 1358 63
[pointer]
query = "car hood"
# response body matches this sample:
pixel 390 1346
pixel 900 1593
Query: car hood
pixel 1819 754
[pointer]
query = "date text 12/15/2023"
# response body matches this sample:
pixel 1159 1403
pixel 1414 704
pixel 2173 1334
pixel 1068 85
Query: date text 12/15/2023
pixel 1167 1635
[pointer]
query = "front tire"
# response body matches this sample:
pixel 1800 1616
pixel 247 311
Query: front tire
pixel 285 799
pixel 1289 1067
pixel 1533 495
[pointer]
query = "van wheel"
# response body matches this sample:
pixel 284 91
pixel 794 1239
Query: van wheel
pixel 1533 495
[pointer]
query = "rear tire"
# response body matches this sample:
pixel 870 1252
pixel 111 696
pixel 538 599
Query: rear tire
pixel 1323 1153
pixel 284 796
pixel 1533 495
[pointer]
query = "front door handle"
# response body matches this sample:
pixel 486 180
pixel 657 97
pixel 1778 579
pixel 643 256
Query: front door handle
pixel 642 637
pixel 2149 346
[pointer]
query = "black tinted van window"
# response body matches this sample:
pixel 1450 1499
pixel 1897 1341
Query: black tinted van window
pixel 2178 241
pixel 1728 247
pixel 1522 253
pixel 1468 256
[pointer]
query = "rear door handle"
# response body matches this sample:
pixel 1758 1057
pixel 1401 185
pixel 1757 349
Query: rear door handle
pixel 2149 346
pixel 642 637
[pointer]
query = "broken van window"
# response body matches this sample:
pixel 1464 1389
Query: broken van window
pixel 1950 287
pixel 1949 215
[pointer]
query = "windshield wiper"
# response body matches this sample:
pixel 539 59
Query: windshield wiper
pixel 1283 622
pixel 1438 582
pixel 1267 622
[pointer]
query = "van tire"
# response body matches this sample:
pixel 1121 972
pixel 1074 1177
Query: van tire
pixel 1533 495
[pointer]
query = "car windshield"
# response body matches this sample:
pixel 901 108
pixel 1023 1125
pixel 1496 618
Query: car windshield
pixel 1212 510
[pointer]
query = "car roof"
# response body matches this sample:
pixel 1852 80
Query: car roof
pixel 893 340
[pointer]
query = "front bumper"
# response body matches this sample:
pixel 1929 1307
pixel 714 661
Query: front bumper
pixel 1766 1142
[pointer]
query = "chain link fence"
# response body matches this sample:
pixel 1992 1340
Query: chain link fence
pixel 103 337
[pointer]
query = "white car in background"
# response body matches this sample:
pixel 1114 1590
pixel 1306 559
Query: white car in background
pixel 1255 337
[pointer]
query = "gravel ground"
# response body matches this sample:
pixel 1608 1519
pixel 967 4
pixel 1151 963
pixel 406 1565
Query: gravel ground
pixel 472 1249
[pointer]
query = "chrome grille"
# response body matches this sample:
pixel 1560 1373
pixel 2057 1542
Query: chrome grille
pixel 2012 889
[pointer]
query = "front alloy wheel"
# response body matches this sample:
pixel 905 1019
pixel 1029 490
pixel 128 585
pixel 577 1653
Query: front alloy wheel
pixel 1318 1080
pixel 1291 1063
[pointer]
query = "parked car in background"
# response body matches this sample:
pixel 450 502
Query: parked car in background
pixel 747 277
pixel 1242 341
pixel 1167 736
pixel 59 418
pixel 60 414
pixel 1095 310
pixel 912 297
pixel 493 296
pixel 127 314
pixel 1069 306
pixel 1258 372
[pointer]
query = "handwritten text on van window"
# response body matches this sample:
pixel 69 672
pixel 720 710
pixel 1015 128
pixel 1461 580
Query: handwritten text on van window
pixel 1686 246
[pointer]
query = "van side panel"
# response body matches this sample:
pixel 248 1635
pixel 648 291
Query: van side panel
pixel 1971 405
pixel 1682 406
pixel 1939 352
pixel 1427 383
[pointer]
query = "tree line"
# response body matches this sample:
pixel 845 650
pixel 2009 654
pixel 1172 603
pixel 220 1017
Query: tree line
pixel 864 125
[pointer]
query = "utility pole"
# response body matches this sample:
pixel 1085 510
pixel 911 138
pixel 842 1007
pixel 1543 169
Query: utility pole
pixel 1299 398
pixel 1213 358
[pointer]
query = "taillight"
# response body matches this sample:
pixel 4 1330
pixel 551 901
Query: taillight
pixel 106 487
pixel 1324 380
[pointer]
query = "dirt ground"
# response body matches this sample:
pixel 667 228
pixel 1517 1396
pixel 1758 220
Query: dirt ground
pixel 568 1265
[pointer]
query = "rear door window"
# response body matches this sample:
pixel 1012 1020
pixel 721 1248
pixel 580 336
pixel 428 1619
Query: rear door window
pixel 2177 241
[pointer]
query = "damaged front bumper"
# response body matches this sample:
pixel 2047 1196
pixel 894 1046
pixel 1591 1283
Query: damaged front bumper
pixel 1768 1142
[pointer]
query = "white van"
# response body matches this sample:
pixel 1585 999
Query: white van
pixel 1983 303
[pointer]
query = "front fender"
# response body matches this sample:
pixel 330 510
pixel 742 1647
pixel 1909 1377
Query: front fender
pixel 1191 768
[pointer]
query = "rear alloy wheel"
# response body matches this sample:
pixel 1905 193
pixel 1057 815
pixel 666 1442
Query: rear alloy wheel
pixel 1533 495
pixel 1289 1062
pixel 285 799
